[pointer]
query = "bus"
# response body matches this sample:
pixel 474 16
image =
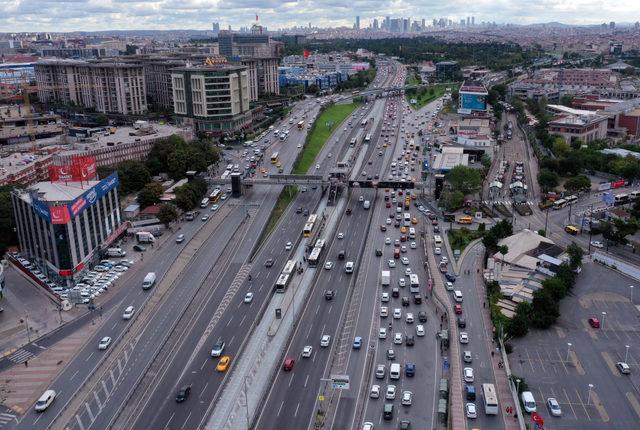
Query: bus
pixel 204 203
pixel 490 399
pixel 226 174
pixel 274 158
pixel 353 141
pixel 308 227
pixel 571 199
pixel 466 219
pixel 355 93
pixel 215 195
pixel 300 125
pixel 634 195
pixel 364 123
pixel 285 277
pixel 289 267
pixel 407 219
pixel 414 283
pixel 230 167
pixel 412 144
pixel 367 138
pixel 621 199
pixel 559 204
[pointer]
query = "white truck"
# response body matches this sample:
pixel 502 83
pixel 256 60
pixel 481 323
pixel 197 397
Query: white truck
pixel 145 237
pixel 149 281
pixel 386 278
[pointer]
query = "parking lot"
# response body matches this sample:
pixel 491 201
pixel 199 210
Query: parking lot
pixel 575 363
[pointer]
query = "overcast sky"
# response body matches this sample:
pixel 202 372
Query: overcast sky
pixel 92 15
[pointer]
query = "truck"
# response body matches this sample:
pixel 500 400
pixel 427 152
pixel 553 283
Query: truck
pixel 145 237
pixel 386 278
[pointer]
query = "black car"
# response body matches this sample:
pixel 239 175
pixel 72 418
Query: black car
pixel 405 301
pixel 139 248
pixel 410 340
pixel 422 316
pixel 328 294
pixel 462 323
pixel 378 252
pixel 450 277
pixel 397 224
pixel 306 212
pixel 268 263
pixel 395 292
pixel 405 425
pixel 299 210
pixel 183 393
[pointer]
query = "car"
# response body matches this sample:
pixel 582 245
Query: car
pixel 388 221
pixel 422 316
pixel 407 397
pixel 361 199
pixel 299 210
pixel 597 244
pixel 397 313
pixel 623 367
pixel 387 241
pixel 384 311
pixel 204 218
pixel 405 425
pixel 466 356
pixel 594 322
pixel 357 342
pixel 378 252
pixel 448 286
pixel 139 248
pixel 464 337
pixel 288 246
pixel 396 242
pixel 217 349
pixel 325 340
pixel 450 277
pixel 384 297
pixel 392 264
pixel 288 364
pixel 409 340
pixel 45 400
pixel 104 343
pixel 444 260
pixel 268 263
pixel 374 393
pixel 183 393
pixel 306 351
pixel 383 227
pixel 223 364
pixel 420 330
pixel 413 245
pixel 554 407
pixel 409 318
pixel 405 261
pixel 128 313
pixel 402 282
pixel 468 374
pixel 391 392
pixel 340 235
pixel 382 333
pixel 437 251
pixel 381 371
pixel 214 208
pixel 470 409
pixel 328 265
pixel 397 339
pixel 407 271
pixel 248 298
pixel 180 238
pixel 462 323
pixel 317 166
pixel 457 308
pixel 329 294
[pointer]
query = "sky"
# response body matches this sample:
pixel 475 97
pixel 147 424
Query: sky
pixel 95 15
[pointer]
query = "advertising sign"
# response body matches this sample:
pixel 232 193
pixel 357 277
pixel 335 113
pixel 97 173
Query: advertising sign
pixel 82 168
pixel 59 214
pixel 41 208
pixel 617 184
pixel 473 102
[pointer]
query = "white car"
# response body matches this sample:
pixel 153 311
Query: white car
pixel 449 286
pixel 464 337
pixel 299 145
pixel 554 407
pixel 437 251
pixel 413 245
pixel 340 235
pixel 214 208
pixel 405 261
pixel 128 313
pixel 402 282
pixel 470 408
pixel 444 260
pixel 328 265
pixel 467 357
pixel 384 297
pixel 317 166
pixel 104 343
pixel 382 333
pixel 288 246
pixel 420 330
pixel 397 339
pixel 597 244
pixel 324 340
pixel 407 271
pixel 205 217
pixel 397 313
pixel 468 374
pixel 391 392
pixel 387 241
pixel 248 298
pixel 384 311
pixel 306 351
pixel 407 397
pixel 392 264
pixel 409 318
pixel 388 221
pixel 375 392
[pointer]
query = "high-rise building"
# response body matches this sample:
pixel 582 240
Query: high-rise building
pixel 375 23
pixel 424 24
pixel 612 25
pixel 357 23
pixel 468 21
pixel 255 44
pixel 387 23
pixel 216 29
pixel 435 22
pixel 473 20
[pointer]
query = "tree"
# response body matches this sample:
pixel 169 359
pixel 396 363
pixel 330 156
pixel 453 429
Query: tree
pixel 518 326
pixel 102 120
pixel 545 309
pixel 8 236
pixel 150 194
pixel 566 100
pixel 133 176
pixel 167 214
pixel 577 183
pixel 555 287
pixel 542 232
pixel 575 255
pixel 560 147
pixel 176 156
pixel 464 179
pixel 503 250
pixel 452 200
pixel 547 179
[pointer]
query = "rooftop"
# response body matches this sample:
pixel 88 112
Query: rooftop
pixel 449 158
pixel 59 191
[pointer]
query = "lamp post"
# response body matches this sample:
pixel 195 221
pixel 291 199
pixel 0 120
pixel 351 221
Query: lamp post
pixel 631 293
pixel 569 345
pixel 604 314
pixel 517 386
pixel 589 394
pixel 626 353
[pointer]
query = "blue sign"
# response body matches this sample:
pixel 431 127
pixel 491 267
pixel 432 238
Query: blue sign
pixel 473 101
pixel 40 208
pixel 608 198
pixel 90 197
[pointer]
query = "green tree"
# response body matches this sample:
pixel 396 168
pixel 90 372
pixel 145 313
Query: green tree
pixel 567 100
pixel 544 309
pixel 560 147
pixel 542 232
pixel 555 287
pixel 547 179
pixel 167 214
pixel 176 156
pixel 102 120
pixel 482 227
pixel 503 250
pixel 452 200
pixel 577 183
pixel 185 198
pixel 575 255
pixel 133 176
pixel 150 194
pixel 518 326
pixel 8 236
pixel 464 179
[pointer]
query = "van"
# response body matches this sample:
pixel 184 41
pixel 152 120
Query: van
pixel 412 233
pixel 437 240
pixel 348 268
pixel 116 252
pixel 457 296
pixel 394 371
pixel 388 411
pixel 45 400
pixel 470 392
pixel 366 204
pixel 149 281
pixel 528 401
pixel 571 229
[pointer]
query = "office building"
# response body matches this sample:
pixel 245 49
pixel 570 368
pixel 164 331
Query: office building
pixel 215 27
pixel 255 44
pixel 262 75
pixel 357 23
pixel 107 87
pixel 157 73
pixel 446 70
pixel 585 127
pixel 63 224
pixel 18 125
pixel 472 98
pixel 375 24
pixel 212 99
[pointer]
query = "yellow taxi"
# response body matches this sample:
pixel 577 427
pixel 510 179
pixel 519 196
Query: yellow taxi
pixel 403 230
pixel 263 170
pixel 414 220
pixel 223 364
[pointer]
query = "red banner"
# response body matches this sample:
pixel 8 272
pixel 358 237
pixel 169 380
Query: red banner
pixel 618 184
pixel 306 54
pixel 59 214
pixel 60 173
pixel 82 168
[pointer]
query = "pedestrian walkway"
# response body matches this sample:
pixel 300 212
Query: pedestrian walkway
pixel 7 419
pixel 20 356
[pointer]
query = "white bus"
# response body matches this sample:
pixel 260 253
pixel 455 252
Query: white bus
pixel 490 399
pixel 571 199
pixel 274 158
pixel 407 219
pixel 204 203
pixel 559 204
pixel 414 283
pixel 437 240
pixel 367 138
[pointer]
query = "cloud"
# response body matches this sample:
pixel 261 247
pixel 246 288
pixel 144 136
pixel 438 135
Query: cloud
pixel 93 15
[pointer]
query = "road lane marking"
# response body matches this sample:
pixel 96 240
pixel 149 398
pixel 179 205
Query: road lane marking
pixel 204 389
pixel 91 417
pixel 296 412
pixel 291 379
pixel 95 395
pixel 77 419
pixel 280 408
pixel 74 375
pixel 104 387
pixel 306 380
pixel 204 364
pixel 230 319
pixel 169 420
pixel 231 341
pixel 243 318
pixel 90 355
pixel 185 421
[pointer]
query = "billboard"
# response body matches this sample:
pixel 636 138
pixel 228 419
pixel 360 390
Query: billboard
pixel 81 168
pixel 473 102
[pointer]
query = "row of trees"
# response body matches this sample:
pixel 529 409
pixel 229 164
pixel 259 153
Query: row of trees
pixel 358 80
pixel 176 156
pixel 544 309
pixel 499 231
pixel 462 181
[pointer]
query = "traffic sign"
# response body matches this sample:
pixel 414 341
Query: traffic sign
pixel 340 382
pixel 321 398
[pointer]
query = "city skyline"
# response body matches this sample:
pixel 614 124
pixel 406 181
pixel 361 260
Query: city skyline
pixel 94 15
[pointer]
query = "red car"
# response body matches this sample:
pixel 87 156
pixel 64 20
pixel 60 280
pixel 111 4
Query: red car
pixel 457 308
pixel 288 363
pixel 434 222
pixel 388 205
pixel 594 322
pixel 403 238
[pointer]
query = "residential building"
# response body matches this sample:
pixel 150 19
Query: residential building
pixel 212 99
pixel 584 127
pixel 262 75
pixel 18 125
pixel 107 87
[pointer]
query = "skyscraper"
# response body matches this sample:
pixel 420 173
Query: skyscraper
pixel 424 24
pixel 375 23
pixel 216 28
pixel 387 22
pixel 473 20
pixel 468 21
pixel 357 23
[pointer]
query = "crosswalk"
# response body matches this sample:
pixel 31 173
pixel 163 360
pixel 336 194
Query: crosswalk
pixel 6 418
pixel 506 202
pixel 20 356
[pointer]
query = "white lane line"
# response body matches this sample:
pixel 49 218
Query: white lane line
pixel 231 341
pixel 243 318
pixel 74 375
pixel 297 407
pixel 91 417
pixel 104 387
pixel 280 408
pixel 230 319
pixel 77 419
pixel 185 421
pixel 89 357
pixel 204 389
pixel 95 396
pixel 306 380
pixel 169 420
pixel 204 364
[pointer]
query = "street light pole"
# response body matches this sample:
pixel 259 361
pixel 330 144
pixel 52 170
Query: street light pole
pixel 568 350
pixel 604 314
pixel 631 288
pixel 589 394
pixel 517 386
pixel 626 353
